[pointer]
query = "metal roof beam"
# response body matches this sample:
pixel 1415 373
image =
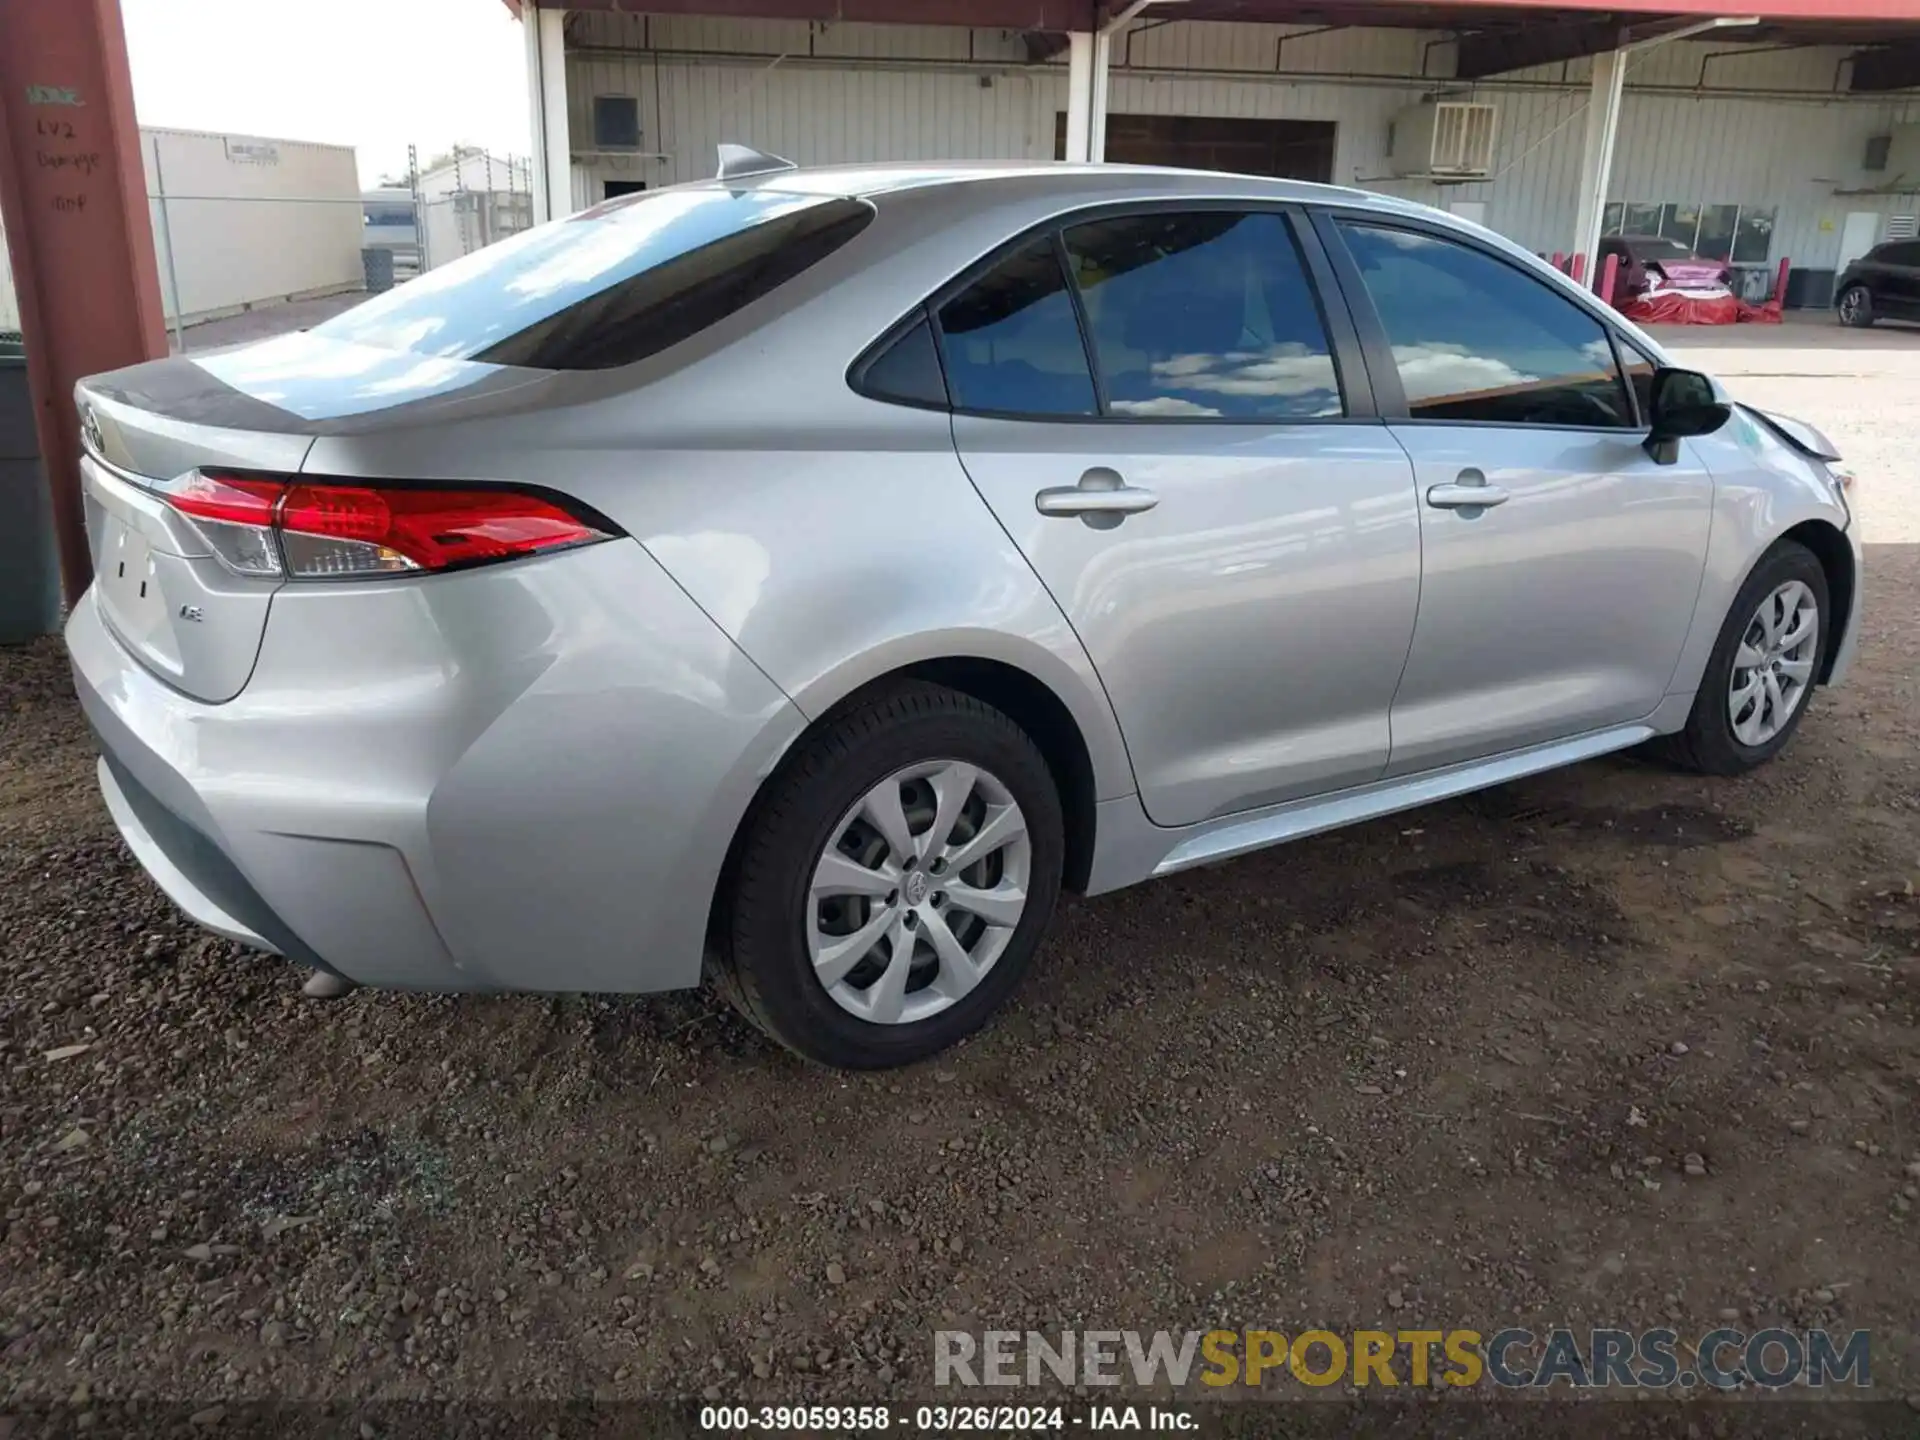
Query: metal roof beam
pixel 984 14
pixel 1485 53
pixel 1890 67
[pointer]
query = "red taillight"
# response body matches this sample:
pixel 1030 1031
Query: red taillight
pixel 324 530
pixel 226 498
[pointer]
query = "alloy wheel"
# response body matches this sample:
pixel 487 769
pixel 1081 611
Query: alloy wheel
pixel 918 892
pixel 1773 666
pixel 1851 304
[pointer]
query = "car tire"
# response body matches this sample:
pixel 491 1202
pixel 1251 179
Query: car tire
pixel 1711 743
pixel 814 813
pixel 1855 307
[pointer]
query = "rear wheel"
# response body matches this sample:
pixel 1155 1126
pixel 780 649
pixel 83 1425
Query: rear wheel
pixel 1856 307
pixel 895 880
pixel 1763 667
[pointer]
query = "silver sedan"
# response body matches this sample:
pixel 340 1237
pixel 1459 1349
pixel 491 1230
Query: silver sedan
pixel 807 574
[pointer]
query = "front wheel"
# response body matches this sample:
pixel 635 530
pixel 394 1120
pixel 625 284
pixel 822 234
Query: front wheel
pixel 1856 307
pixel 894 881
pixel 1763 667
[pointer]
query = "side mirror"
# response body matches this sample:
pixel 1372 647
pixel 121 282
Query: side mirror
pixel 1683 405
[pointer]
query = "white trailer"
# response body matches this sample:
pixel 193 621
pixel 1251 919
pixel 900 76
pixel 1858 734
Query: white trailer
pixel 246 220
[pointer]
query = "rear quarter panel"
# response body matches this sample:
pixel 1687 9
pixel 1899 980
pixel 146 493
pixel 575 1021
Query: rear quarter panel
pixel 833 538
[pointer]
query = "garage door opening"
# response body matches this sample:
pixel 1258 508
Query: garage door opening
pixel 1285 149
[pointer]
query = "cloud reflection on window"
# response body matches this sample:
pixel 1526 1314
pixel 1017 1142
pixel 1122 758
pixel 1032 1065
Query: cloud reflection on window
pixel 1290 372
pixel 1440 371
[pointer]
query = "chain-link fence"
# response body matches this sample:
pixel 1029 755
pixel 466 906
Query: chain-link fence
pixel 222 253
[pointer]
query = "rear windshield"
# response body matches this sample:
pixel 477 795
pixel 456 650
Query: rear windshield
pixel 611 285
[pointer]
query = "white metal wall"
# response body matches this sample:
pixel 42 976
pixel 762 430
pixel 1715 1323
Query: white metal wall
pixel 1768 129
pixel 9 302
pixel 248 219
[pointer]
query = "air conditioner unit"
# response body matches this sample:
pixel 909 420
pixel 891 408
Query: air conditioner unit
pixel 1451 138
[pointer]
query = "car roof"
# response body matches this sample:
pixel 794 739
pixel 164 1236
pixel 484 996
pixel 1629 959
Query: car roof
pixel 877 180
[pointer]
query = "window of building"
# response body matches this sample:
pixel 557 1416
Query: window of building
pixel 1742 234
pixel 1753 235
pixel 1011 341
pixel 1203 314
pixel 616 122
pixel 1474 338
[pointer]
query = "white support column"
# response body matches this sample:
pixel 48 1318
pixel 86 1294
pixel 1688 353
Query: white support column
pixel 1080 86
pixel 1596 159
pixel 1097 108
pixel 545 32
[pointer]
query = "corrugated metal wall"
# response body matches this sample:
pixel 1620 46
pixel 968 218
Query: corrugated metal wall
pixel 1768 128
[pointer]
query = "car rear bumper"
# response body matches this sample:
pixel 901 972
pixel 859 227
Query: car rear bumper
pixel 519 778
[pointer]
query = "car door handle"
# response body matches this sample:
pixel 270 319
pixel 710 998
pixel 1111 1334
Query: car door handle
pixel 1101 499
pixel 1469 492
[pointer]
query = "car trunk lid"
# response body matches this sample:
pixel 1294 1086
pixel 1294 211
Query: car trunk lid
pixel 158 585
pixel 1691 274
pixel 252 410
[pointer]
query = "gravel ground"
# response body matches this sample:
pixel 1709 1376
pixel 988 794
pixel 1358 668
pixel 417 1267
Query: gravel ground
pixel 1449 1068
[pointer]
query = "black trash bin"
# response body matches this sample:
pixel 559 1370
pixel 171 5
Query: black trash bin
pixel 29 558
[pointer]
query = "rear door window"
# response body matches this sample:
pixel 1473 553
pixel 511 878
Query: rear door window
pixel 611 285
pixel 1203 315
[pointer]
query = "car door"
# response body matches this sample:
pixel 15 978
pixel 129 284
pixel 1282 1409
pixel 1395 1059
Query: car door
pixel 1561 561
pixel 1896 280
pixel 1225 523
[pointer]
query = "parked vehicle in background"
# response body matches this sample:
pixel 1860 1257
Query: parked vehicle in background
pixel 1652 265
pixel 819 570
pixel 1883 284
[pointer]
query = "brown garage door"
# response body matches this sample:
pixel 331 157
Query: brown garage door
pixel 1289 149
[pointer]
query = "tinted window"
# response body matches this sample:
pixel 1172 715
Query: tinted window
pixel 908 370
pixel 611 285
pixel 1012 342
pixel 1205 314
pixel 1907 252
pixel 1476 339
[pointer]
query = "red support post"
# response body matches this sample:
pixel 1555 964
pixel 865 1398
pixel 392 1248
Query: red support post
pixel 74 194
pixel 1560 261
pixel 1579 270
pixel 1609 271
pixel 1780 283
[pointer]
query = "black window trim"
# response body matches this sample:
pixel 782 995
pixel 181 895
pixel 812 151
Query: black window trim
pixel 1622 347
pixel 1378 353
pixel 1337 323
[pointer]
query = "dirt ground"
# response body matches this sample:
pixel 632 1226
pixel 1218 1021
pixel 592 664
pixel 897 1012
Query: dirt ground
pixel 1443 1069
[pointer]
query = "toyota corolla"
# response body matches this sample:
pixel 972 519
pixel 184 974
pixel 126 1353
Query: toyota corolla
pixel 808 574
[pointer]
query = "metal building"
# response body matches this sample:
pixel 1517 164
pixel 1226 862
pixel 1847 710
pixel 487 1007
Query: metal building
pixel 242 220
pixel 1753 138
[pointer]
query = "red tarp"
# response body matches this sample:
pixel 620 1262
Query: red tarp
pixel 1677 307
